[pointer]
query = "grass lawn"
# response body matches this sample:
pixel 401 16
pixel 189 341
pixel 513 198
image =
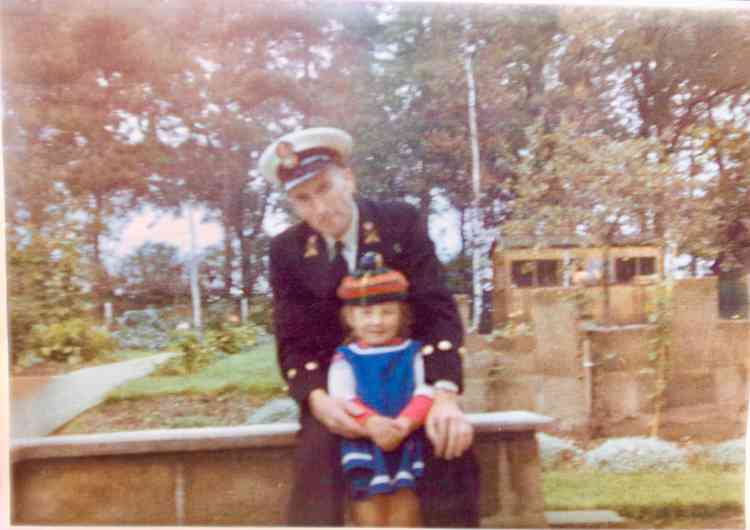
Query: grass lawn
pixel 254 372
pixel 698 492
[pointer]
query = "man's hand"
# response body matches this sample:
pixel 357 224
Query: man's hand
pixel 332 413
pixel 384 432
pixel 447 427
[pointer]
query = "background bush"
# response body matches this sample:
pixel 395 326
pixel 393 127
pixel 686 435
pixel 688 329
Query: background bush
pixel 73 341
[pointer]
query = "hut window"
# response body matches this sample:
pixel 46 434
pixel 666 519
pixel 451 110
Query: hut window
pixel 627 268
pixel 536 273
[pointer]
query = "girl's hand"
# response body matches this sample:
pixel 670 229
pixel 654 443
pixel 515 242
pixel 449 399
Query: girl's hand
pixel 384 432
pixel 406 425
pixel 333 413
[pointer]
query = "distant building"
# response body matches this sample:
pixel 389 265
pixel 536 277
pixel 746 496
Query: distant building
pixel 522 265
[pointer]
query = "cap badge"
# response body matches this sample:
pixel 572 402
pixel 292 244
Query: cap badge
pixel 288 159
pixel 371 234
pixel 397 248
pixel 311 248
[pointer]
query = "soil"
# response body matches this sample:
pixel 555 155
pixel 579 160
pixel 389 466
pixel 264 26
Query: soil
pixel 164 412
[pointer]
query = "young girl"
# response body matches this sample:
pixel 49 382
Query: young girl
pixel 382 372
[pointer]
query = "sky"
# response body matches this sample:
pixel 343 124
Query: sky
pixel 153 225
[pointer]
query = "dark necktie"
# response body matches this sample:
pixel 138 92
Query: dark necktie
pixel 339 267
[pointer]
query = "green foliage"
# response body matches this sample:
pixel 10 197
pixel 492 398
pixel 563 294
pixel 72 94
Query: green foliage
pixel 254 371
pixel 196 355
pixel 586 186
pixel 154 275
pixel 45 285
pixel 260 312
pixel 231 340
pixel 200 352
pixel 73 341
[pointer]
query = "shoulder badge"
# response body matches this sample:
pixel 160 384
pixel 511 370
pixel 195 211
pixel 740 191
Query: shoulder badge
pixel 311 248
pixel 371 233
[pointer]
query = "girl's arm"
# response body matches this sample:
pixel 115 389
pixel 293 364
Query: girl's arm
pixel 342 385
pixel 415 413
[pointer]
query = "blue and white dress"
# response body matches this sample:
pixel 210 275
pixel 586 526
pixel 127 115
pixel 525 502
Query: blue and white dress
pixel 384 378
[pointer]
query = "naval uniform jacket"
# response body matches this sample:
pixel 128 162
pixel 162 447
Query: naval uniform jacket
pixel 306 308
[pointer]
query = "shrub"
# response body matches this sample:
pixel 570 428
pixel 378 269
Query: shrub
pixel 47 285
pixel 73 341
pixel 230 340
pixel 195 355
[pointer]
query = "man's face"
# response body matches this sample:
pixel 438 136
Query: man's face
pixel 325 201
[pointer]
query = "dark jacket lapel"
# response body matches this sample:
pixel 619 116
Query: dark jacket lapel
pixel 370 233
pixel 314 263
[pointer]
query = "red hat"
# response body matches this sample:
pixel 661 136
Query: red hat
pixel 373 283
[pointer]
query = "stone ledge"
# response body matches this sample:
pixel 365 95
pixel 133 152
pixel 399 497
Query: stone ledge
pixel 597 518
pixel 217 438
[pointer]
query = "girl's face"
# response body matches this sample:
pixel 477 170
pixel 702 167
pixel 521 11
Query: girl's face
pixel 375 324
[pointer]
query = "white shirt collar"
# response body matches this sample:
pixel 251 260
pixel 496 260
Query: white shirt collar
pixel 350 239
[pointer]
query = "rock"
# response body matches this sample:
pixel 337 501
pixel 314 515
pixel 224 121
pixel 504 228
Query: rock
pixel 729 453
pixel 275 411
pixel 637 453
pixel 555 452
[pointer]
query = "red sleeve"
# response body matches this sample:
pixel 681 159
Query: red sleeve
pixel 417 409
pixel 367 411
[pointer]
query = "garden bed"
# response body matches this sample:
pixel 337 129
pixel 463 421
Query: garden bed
pixel 223 393
pixel 165 412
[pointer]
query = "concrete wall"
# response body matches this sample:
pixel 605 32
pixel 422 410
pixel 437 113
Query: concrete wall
pixel 238 476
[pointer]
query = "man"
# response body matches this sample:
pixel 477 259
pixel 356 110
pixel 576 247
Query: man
pixel 307 262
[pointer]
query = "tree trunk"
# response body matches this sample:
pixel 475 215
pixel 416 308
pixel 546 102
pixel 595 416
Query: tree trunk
pixel 228 255
pixel 476 219
pixel 606 316
pixel 195 293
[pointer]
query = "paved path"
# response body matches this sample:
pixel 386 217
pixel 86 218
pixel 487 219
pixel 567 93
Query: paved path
pixel 39 405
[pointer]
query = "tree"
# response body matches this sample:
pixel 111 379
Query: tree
pixel 587 188
pixel 79 91
pixel 668 81
pixel 46 283
pixel 153 275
